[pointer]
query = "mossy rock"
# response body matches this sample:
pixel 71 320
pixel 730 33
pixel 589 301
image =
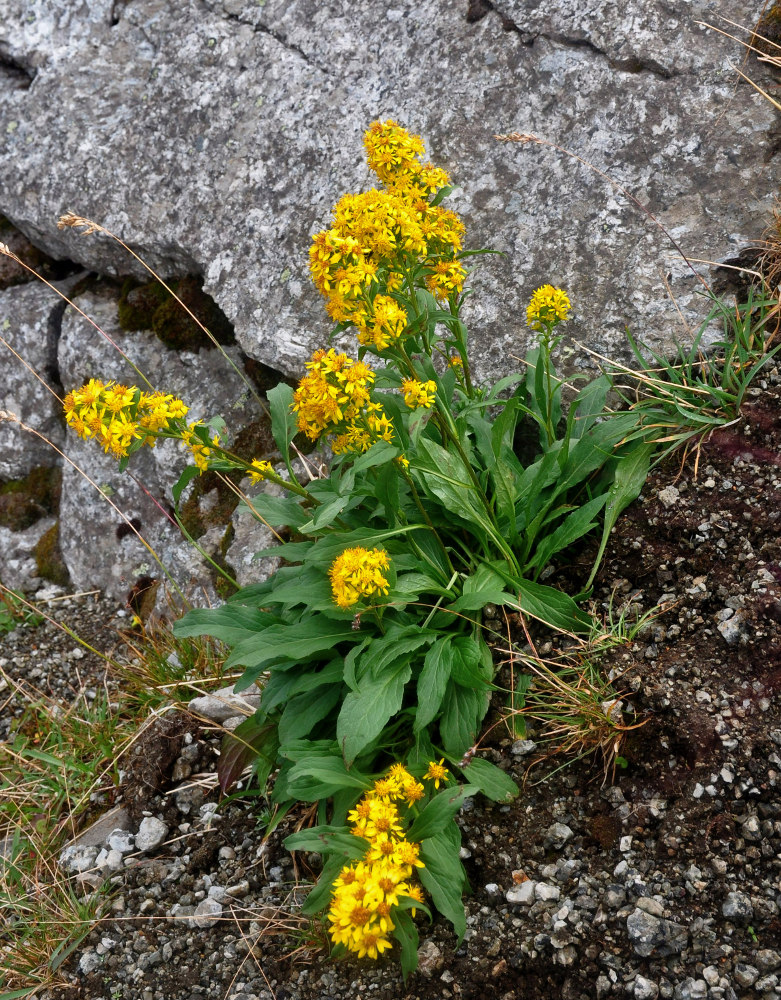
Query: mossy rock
pixel 769 30
pixel 151 307
pixel 25 501
pixel 48 557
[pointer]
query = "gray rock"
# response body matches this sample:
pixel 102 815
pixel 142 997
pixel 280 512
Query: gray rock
pixel 29 316
pixel 745 975
pixel 766 984
pixel 737 907
pixel 644 989
pixel 751 828
pixel 430 959
pixel 121 840
pixel 89 962
pixel 522 748
pixel 732 629
pixel 557 835
pixel 546 892
pixel 669 496
pixel 18 566
pixel 245 145
pixel 151 833
pixel 79 858
pixel 207 913
pixel 221 705
pixel 651 905
pixel 767 959
pixel 691 989
pixel 522 893
pixel 648 934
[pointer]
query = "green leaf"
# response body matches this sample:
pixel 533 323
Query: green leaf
pixel 463 710
pixel 294 642
pixel 326 514
pixel 444 877
pixel 406 933
pixel 320 896
pixel 366 711
pixel 379 453
pixel 283 421
pixel 305 710
pixel 312 780
pixel 628 480
pixel 491 780
pixel 190 473
pixel 433 681
pixel 230 623
pixel 328 840
pixel 544 603
pixel 438 813
pixel 468 668
pixel 574 526
pixel 278 511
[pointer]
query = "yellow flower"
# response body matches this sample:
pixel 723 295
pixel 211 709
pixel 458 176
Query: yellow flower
pixel 436 772
pixel 357 574
pixel 548 306
pixel 259 470
pixel 418 394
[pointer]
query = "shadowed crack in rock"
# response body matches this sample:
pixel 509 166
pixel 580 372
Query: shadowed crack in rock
pixel 265 29
pixel 16 73
pixel 478 9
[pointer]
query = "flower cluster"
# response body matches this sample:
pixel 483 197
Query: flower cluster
pixel 334 399
pixel 117 415
pixel 359 262
pixel 193 437
pixel 419 394
pixel 120 416
pixel 548 307
pixel 357 573
pixel 366 892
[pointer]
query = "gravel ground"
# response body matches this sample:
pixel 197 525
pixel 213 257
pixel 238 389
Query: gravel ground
pixel 662 881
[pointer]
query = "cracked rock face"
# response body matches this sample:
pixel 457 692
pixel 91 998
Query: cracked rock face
pixel 215 136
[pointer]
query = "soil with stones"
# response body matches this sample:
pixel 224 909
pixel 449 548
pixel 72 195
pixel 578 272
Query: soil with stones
pixel 662 881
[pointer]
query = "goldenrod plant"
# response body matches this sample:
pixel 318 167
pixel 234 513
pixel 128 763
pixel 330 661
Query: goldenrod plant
pixel 368 643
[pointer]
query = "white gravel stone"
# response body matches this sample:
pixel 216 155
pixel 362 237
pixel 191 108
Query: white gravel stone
pixel 523 893
pixel 644 989
pixel 122 841
pixel 207 913
pixel 151 833
pixel 546 892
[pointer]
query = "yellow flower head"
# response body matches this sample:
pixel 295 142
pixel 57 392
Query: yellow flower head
pixel 548 307
pixel 118 415
pixel 436 772
pixel 259 470
pixel 418 394
pixel 357 574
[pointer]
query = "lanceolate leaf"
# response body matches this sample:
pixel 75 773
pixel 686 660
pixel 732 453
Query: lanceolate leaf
pixel 444 877
pixel 366 711
pixel 438 813
pixel 491 780
pixel 406 933
pixel 283 420
pixel 462 712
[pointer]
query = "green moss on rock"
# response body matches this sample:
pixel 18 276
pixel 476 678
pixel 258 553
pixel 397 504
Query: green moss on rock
pixel 24 501
pixel 151 307
pixel 48 557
